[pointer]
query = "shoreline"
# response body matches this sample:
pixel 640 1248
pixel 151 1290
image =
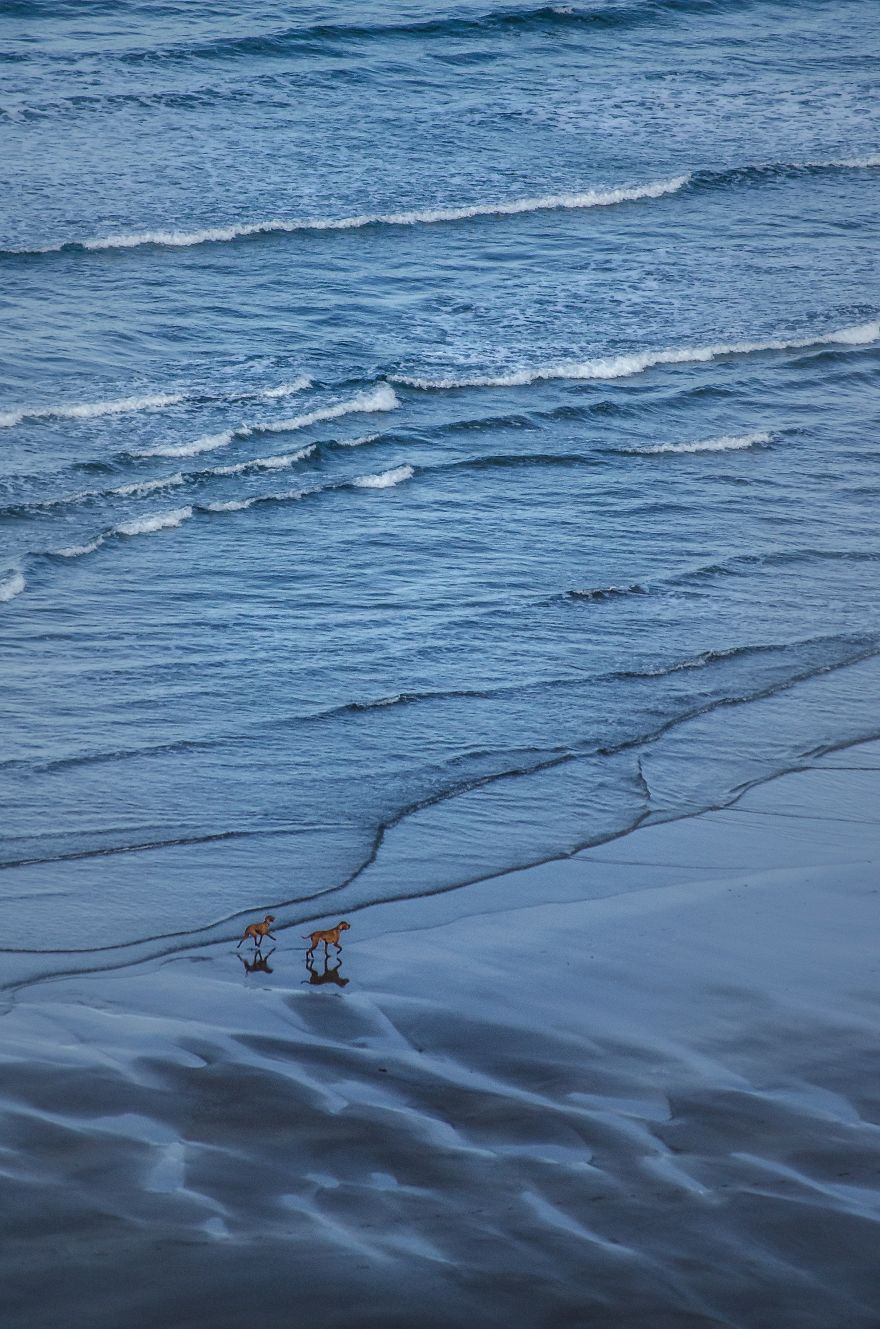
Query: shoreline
pixel 634 1085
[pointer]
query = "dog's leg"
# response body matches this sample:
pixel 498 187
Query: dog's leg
pixel 272 935
pixel 240 941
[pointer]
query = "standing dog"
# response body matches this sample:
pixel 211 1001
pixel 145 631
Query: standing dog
pixel 330 936
pixel 259 930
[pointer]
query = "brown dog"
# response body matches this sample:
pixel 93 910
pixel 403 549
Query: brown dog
pixel 259 930
pixel 330 936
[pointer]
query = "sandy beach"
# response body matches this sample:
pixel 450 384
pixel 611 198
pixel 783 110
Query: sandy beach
pixel 651 1098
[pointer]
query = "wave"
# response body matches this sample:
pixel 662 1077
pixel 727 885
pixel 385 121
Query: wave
pixel 600 593
pixel 590 198
pixel 274 463
pixel 715 177
pixel 624 366
pixel 287 389
pixel 358 442
pixel 88 410
pixel 135 489
pixel 311 38
pixel 725 443
pixel 159 521
pixel 77 551
pixel 381 398
pixel 385 479
pixel 149 402
pixel 139 488
pixel 12 586
pixel 777 558
pixel 242 504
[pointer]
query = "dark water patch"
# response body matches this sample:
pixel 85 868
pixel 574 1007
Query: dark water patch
pixel 598 594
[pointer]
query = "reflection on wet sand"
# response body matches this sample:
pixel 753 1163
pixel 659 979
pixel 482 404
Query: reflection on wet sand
pixel 329 974
pixel 259 964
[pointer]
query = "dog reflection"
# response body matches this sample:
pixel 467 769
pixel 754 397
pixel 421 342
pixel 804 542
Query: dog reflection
pixel 329 974
pixel 259 964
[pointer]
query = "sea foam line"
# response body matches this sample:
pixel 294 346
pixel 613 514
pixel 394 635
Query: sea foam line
pixel 381 398
pixel 589 198
pixel 623 366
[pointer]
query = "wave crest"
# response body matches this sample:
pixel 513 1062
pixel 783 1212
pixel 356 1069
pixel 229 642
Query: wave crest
pixel 381 398
pixel 636 362
pixel 588 198
pixel 385 479
pixel 88 410
pixel 158 521
pixel 725 443
pixel 11 586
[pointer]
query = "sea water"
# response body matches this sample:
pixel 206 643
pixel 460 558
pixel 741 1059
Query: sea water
pixel 433 439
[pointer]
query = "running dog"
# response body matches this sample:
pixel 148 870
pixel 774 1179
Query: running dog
pixel 258 931
pixel 329 937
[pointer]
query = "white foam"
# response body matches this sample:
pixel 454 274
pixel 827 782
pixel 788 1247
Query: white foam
pixel 76 551
pixel 11 587
pixel 386 479
pixel 357 442
pixel 207 443
pixel 725 443
pixel 623 366
pixel 590 198
pixel 159 521
pixel 288 389
pixel 233 505
pixel 87 410
pixel 381 398
pixel 240 504
pixel 150 486
pixel 276 463
pixel 849 163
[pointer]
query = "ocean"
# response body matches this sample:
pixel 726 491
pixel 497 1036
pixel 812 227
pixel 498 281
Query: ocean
pixel 433 440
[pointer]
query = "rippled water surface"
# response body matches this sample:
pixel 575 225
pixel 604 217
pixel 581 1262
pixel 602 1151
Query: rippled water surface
pixel 433 439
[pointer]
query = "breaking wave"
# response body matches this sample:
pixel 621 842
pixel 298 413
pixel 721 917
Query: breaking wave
pixel 385 479
pixel 381 398
pixel 159 521
pixel 588 198
pixel 725 443
pixel 624 366
pixel 11 586
pixel 87 410
pixel 579 199
pixel 77 551
pixel 156 401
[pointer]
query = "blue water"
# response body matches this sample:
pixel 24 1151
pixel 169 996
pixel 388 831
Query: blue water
pixel 433 439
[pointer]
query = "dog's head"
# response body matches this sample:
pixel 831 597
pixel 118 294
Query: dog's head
pixel 270 918
pixel 343 927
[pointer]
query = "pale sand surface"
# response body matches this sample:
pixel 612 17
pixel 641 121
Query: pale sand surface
pixel 651 1099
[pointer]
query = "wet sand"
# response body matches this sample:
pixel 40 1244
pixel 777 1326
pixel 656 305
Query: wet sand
pixel 652 1098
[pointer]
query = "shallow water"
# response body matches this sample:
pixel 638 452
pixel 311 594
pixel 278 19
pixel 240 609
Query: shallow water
pixel 433 440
